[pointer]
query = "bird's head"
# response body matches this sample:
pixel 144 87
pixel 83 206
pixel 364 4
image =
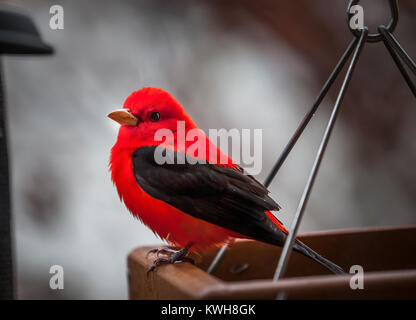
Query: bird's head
pixel 145 112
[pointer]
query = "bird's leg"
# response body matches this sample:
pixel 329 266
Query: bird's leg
pixel 176 256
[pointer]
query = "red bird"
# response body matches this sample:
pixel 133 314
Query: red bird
pixel 192 205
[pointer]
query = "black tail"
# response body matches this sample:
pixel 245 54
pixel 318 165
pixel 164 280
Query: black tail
pixel 304 249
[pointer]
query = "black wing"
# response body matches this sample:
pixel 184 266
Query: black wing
pixel 219 195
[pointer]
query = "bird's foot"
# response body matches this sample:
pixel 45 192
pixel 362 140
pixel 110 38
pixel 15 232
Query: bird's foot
pixel 176 256
pixel 164 250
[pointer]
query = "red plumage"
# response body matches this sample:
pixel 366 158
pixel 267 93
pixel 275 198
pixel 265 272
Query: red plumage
pixel 167 221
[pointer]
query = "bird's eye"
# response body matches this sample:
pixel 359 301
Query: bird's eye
pixel 155 116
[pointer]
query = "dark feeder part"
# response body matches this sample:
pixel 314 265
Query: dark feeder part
pixel 18 35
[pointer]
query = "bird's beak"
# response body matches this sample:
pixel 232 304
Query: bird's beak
pixel 124 116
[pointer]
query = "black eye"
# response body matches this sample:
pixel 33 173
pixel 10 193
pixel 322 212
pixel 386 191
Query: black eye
pixel 155 116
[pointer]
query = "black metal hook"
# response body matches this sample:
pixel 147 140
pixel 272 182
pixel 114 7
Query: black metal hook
pixel 375 37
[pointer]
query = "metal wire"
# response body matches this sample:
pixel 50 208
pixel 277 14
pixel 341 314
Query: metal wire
pixel 398 48
pixel 6 263
pixel 311 112
pixel 397 61
pixel 218 258
pixel 284 258
pixel 341 62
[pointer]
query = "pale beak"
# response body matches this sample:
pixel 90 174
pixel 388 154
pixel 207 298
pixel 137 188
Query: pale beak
pixel 124 116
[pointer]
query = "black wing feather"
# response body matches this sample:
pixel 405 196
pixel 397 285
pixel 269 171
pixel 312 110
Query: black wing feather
pixel 220 195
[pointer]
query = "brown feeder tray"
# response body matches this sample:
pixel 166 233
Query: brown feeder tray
pixel 387 255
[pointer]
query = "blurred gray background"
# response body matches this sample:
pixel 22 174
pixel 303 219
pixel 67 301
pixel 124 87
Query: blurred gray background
pixel 232 64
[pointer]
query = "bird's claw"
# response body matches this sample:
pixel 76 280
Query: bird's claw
pixel 177 256
pixel 164 250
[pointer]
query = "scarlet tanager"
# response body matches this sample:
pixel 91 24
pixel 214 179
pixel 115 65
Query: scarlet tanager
pixel 192 204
